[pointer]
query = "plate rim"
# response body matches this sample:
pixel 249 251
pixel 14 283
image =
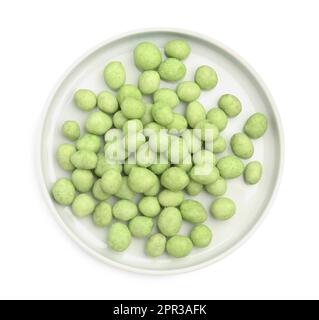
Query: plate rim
pixel 109 261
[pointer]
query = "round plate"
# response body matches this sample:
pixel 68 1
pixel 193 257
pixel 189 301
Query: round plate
pixel 236 77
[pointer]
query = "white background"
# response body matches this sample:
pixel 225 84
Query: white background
pixel 40 39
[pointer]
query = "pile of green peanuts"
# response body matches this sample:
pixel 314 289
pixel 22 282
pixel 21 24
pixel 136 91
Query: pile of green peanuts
pixel 149 195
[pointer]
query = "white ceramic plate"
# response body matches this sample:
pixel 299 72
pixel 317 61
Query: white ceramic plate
pixel 236 77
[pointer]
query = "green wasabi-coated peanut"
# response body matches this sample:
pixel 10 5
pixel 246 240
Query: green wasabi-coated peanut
pixel 167 96
pixel 102 166
pixel 98 123
pixel 193 211
pixel 177 125
pixel 169 221
pixel 223 208
pixel 106 102
pixel 98 192
pixel 132 126
pixel 168 198
pixel 179 246
pixel 253 172
pixel 63 191
pixel 114 75
pixel 140 180
pixel 85 99
pixel 119 237
pixel 194 188
pixel 128 91
pixel 71 130
pixel 111 181
pixel 89 142
pixel 219 145
pixel 201 236
pixel 204 156
pixel 145 156
pixel 82 180
pixel 195 112
pixel 230 167
pixel 149 206
pixel 125 192
pixel 141 226
pixel 102 215
pixel 153 127
pixel 128 167
pixel 256 125
pixel 159 141
pixel 172 70
pixel 178 49
pixel 217 117
pixel 132 108
pixel 64 154
pixel 124 210
pixel 174 179
pixel 119 119
pixel 149 82
pixel 147 116
pixel 206 77
pixel 206 131
pixel 162 113
pixel 177 151
pixel 154 190
pixel 242 146
pixel 230 105
pixel 159 168
pixel 147 56
pixel 155 245
pixel 217 188
pixel 83 205
pixel 84 159
pixel 188 91
pixel 204 173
